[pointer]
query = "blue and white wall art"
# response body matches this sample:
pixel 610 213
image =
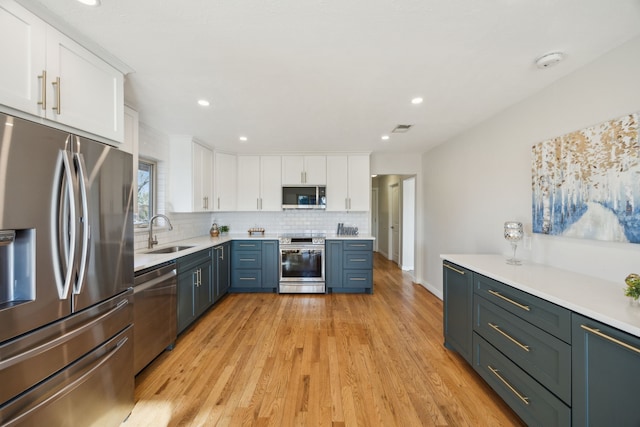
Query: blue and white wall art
pixel 586 184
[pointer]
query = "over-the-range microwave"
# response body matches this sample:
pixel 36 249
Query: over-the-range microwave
pixel 305 197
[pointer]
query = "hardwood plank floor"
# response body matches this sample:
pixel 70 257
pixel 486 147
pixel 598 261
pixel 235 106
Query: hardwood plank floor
pixel 321 360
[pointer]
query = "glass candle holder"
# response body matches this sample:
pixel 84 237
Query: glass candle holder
pixel 513 233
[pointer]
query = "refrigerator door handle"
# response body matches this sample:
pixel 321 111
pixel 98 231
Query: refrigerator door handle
pixel 64 226
pixel 84 218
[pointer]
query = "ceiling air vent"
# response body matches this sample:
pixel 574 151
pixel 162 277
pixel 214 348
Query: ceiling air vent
pixel 401 129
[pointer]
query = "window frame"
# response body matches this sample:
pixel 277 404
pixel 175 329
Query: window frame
pixel 153 193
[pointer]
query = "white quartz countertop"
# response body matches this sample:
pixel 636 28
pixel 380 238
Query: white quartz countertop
pixel 142 260
pixel 343 237
pixel 590 296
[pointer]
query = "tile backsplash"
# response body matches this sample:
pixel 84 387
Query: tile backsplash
pixel 188 225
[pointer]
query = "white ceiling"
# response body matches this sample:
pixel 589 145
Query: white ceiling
pixel 335 75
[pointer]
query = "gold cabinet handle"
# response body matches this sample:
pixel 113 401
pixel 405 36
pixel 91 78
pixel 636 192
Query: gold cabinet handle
pixel 43 88
pixel 517 304
pixel 454 269
pixel 57 107
pixel 524 399
pixel 609 338
pixel 509 337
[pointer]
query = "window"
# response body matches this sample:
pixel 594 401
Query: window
pixel 146 190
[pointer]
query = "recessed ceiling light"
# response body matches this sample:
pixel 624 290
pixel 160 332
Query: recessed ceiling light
pixel 243 139
pixel 417 101
pixel 203 103
pixel 90 2
pixel 385 137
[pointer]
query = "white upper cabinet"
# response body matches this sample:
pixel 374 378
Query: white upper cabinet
pixel 259 183
pixel 304 170
pixel 224 182
pixel 53 77
pixel 348 183
pixel 22 43
pixel 190 176
pixel 86 92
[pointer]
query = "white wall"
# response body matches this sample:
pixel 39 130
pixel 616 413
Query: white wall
pixel 478 180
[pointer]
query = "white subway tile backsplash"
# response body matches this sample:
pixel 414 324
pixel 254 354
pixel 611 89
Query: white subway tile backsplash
pixel 189 225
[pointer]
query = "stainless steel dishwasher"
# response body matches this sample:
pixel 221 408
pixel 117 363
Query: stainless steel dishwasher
pixel 154 313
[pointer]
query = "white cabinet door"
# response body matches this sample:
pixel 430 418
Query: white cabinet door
pixel 259 187
pixel 337 185
pixel 348 183
pixel 130 145
pixel 206 179
pixel 248 183
pixel 270 183
pixel 359 183
pixel 190 176
pixel 315 169
pixel 304 170
pixel 224 182
pixel 86 92
pixel 22 43
pixel 292 170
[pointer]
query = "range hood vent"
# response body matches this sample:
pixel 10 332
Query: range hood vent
pixel 401 129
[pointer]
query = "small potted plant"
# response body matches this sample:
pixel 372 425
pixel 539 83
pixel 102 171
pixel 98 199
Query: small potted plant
pixel 633 286
pixel 224 229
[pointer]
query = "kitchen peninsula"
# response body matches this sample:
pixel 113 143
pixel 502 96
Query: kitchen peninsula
pixel 559 347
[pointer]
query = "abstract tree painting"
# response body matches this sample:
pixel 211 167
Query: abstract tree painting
pixel 586 184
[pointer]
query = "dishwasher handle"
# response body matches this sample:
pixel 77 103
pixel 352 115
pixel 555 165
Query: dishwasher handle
pixel 154 282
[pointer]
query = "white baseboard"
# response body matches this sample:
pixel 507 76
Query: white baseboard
pixel 432 289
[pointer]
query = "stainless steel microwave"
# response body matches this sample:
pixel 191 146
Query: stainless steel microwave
pixel 305 197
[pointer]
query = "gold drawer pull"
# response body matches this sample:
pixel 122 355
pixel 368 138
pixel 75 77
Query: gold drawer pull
pixel 524 399
pixel 454 269
pixel 612 339
pixel 509 337
pixel 517 304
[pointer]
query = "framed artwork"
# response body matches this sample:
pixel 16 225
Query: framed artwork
pixel 586 184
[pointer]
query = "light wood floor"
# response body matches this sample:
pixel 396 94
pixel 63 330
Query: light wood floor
pixel 318 360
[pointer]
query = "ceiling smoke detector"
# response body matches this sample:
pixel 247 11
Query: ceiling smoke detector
pixel 549 59
pixel 401 129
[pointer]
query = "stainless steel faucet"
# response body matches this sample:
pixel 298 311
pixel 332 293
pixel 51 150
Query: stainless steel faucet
pixel 153 239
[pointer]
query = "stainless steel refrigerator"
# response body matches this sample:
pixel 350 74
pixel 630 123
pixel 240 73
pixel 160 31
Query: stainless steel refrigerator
pixel 66 277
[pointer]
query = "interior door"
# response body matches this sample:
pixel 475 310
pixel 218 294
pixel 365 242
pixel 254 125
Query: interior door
pixel 395 223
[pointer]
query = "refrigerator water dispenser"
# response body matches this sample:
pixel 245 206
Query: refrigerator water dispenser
pixel 17 267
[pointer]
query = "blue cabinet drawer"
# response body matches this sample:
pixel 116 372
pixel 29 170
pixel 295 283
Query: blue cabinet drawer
pixel 532 402
pixel 246 259
pixel 246 245
pixel 358 245
pixel 358 259
pixel 246 278
pixel 357 278
pixel 543 314
pixel 543 356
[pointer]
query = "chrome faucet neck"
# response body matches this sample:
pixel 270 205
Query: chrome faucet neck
pixel 152 239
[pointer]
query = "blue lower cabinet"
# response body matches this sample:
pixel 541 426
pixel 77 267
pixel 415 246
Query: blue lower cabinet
pixel 349 266
pixel 254 266
pixel 606 375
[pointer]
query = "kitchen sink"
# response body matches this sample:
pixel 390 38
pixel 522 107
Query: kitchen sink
pixel 169 250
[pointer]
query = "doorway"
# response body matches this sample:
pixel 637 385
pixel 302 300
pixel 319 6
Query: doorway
pixel 396 207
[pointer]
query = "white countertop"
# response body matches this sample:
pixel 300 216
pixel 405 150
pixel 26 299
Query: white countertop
pixel 144 260
pixel 590 296
pixel 343 237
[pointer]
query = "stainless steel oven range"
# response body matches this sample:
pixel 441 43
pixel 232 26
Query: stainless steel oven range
pixel 302 264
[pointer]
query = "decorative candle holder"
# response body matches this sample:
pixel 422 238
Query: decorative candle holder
pixel 513 233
